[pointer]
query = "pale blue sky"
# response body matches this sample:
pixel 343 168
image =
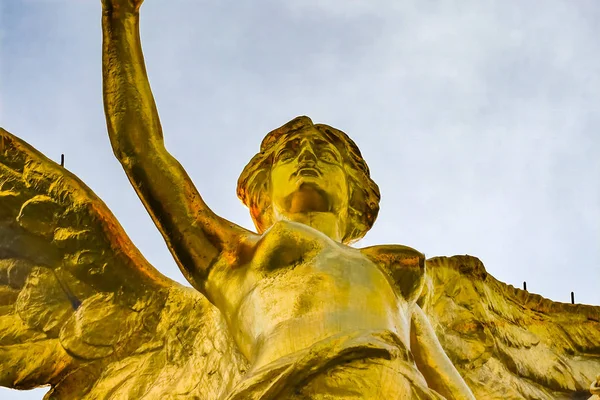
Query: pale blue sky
pixel 479 119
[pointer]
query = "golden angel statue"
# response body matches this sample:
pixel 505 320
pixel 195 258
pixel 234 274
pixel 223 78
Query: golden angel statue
pixel 291 311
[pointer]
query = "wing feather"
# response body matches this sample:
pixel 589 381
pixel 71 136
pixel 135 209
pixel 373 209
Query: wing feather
pixel 82 310
pixel 508 343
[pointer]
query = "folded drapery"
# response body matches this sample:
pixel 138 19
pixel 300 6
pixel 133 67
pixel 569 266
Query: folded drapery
pixel 357 365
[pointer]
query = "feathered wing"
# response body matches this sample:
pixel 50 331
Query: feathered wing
pixel 508 343
pixel 80 307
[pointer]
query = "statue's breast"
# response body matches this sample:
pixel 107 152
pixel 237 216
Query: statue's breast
pixel 287 244
pixel 405 266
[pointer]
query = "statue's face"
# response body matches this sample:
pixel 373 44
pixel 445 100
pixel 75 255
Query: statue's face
pixel 308 175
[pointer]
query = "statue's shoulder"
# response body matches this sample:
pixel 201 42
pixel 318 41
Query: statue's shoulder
pixel 395 255
pixel 404 265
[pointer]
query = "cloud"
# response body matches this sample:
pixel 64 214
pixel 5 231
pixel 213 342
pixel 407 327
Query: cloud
pixel 479 120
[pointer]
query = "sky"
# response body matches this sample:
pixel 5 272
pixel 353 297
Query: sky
pixel 479 119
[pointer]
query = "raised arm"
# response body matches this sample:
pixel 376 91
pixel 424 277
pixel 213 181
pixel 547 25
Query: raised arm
pixel 194 234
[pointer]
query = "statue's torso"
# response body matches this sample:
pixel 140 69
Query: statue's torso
pixel 300 287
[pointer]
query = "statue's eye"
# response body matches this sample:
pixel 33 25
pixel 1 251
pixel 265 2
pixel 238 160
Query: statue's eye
pixel 328 155
pixel 285 154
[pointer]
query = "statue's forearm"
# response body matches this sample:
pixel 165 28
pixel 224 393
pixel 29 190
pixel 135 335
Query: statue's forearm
pixel 131 115
pixel 432 361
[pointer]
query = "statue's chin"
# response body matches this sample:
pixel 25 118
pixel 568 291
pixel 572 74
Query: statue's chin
pixel 308 198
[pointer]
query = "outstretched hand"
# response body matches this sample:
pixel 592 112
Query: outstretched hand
pixel 119 6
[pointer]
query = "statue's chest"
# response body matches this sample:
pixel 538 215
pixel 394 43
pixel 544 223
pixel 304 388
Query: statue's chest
pixel 290 246
pixel 297 265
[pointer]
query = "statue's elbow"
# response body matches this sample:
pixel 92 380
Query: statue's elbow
pixel 129 155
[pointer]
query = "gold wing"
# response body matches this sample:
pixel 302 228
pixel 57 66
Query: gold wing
pixel 82 310
pixel 508 343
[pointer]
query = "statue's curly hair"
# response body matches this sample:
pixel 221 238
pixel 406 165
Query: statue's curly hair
pixel 253 183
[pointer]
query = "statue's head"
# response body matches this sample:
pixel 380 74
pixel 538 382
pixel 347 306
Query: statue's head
pixel 304 168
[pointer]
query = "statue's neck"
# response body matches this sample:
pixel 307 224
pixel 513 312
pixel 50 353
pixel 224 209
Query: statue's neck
pixel 326 222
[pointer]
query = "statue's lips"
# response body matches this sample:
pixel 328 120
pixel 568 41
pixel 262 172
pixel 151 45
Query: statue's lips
pixel 307 171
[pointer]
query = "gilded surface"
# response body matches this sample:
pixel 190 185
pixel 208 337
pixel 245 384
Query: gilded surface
pixel 289 312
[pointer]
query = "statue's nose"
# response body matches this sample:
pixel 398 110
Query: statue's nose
pixel 307 154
